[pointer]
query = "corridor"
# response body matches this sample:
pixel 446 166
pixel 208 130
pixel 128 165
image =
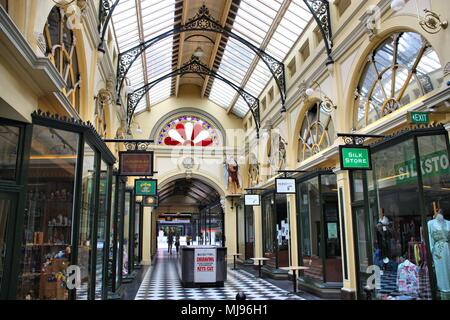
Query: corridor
pixel 162 283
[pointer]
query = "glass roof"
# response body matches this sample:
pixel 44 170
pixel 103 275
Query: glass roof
pixel 138 21
pixel 257 21
pixel 253 22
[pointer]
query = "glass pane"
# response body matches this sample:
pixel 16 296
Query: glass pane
pixel 5 209
pixel 249 233
pixel 119 237
pixel 241 229
pixel 310 220
pixel 361 232
pixel 49 214
pixel 9 144
pixel 136 233
pixel 268 222
pixel 86 221
pixel 330 202
pixel 398 246
pixel 101 229
pixel 112 232
pixel 282 230
pixel 126 233
pixel 357 186
pixel 434 158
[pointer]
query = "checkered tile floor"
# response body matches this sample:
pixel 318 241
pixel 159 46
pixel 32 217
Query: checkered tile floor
pixel 162 283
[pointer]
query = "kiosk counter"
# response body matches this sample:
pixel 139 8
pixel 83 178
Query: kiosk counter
pixel 202 266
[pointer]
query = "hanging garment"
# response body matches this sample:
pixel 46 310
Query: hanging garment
pixel 440 251
pixel 408 278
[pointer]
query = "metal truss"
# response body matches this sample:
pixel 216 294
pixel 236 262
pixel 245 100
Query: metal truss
pixel 320 10
pixel 197 67
pixel 202 21
pixel 105 14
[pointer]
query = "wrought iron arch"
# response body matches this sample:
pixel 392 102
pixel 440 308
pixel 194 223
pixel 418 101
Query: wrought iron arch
pixel 202 21
pixel 194 65
pixel 320 9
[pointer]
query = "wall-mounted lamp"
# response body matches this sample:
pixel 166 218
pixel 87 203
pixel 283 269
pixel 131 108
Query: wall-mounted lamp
pixel 326 103
pixel 431 22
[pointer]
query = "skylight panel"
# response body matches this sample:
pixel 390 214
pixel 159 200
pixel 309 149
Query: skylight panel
pixel 160 92
pixel 241 108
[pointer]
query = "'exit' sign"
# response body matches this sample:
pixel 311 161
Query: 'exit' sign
pixel 355 158
pixel 418 117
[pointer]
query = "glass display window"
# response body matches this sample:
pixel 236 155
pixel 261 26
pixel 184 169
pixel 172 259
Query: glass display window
pixel 101 229
pixel 126 235
pixel 87 215
pixel 9 151
pixel 111 255
pixel 47 238
pixel 402 223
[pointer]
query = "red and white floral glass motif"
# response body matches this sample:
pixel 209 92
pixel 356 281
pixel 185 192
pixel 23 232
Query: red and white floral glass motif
pixel 187 131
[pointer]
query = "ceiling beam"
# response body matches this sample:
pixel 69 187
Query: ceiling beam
pixel 276 21
pixel 223 21
pixel 181 44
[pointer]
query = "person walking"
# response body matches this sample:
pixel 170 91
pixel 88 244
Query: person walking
pixel 177 243
pixel 169 243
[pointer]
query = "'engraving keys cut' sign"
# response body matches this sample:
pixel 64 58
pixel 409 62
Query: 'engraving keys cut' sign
pixel 205 264
pixel 355 158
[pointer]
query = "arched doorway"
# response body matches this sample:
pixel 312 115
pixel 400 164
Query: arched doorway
pixel 190 208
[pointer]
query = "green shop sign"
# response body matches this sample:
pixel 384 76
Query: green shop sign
pixel 145 187
pixel 432 165
pixel 418 117
pixel 355 158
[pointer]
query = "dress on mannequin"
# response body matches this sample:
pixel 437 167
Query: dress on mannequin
pixel 439 231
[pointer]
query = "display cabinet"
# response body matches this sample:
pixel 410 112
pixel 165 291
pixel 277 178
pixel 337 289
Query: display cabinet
pixel 65 212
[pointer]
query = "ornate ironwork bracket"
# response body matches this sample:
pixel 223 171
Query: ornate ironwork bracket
pixel 202 21
pixel 357 139
pixel 133 145
pixel 105 14
pixel 197 67
pixel 320 10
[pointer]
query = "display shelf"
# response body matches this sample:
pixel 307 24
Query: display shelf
pixel 47 245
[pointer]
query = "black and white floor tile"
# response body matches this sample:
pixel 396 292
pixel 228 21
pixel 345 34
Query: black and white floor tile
pixel 162 283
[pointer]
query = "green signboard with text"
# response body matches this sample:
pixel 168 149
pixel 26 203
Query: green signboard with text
pixel 145 187
pixel 415 117
pixel 355 158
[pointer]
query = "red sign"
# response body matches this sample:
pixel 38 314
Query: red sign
pixel 136 163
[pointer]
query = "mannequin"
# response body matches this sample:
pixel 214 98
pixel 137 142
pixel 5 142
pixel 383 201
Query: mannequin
pixel 383 234
pixel 439 233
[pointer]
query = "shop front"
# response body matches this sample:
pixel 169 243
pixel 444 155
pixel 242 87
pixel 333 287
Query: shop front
pixel 275 234
pixel 319 246
pixel 62 211
pixel 245 233
pixel 401 218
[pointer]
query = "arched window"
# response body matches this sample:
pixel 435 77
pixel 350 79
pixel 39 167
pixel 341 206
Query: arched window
pixel 402 69
pixel 61 50
pixel 316 132
pixel 189 131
